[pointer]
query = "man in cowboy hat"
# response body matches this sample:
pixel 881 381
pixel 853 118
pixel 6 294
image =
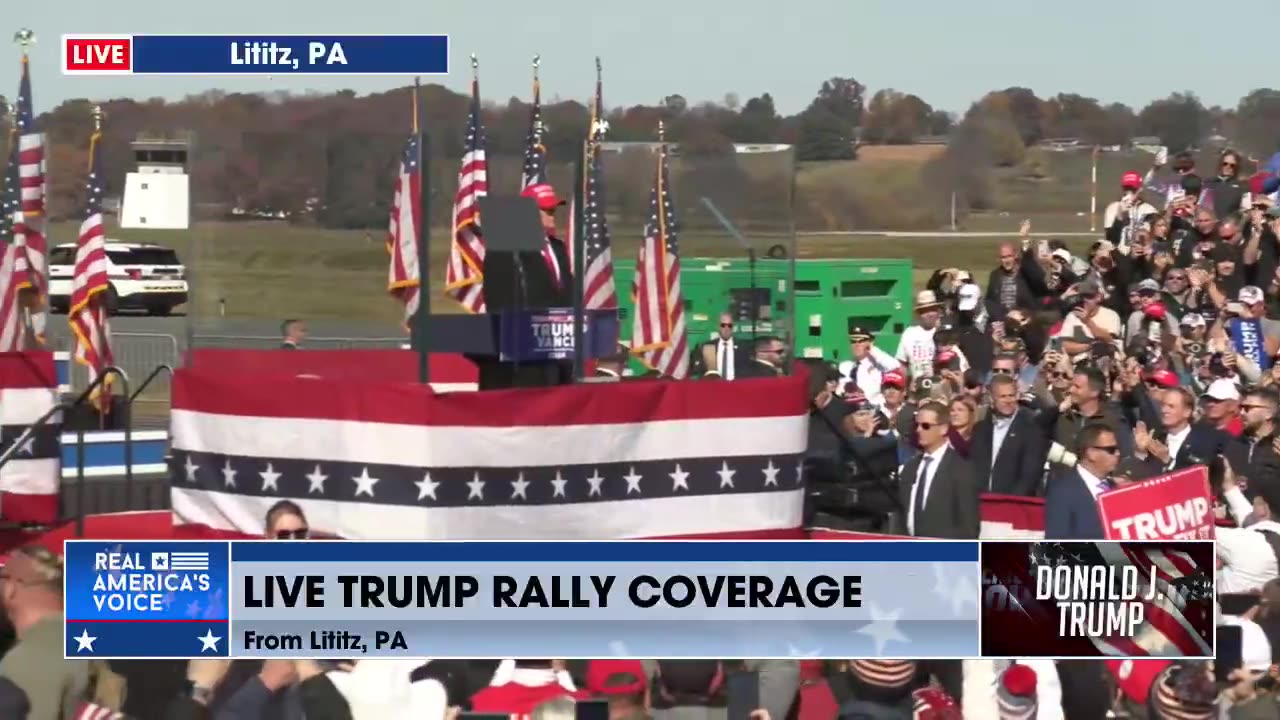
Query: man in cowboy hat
pixel 917 348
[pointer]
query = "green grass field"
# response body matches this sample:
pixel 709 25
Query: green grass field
pixel 273 270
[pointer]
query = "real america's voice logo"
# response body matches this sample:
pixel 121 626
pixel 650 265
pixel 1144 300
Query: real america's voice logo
pixel 126 582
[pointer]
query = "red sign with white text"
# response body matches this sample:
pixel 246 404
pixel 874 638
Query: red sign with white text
pixel 97 54
pixel 1175 506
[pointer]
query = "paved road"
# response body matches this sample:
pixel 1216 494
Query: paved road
pixel 220 332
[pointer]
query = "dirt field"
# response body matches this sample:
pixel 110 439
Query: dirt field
pixel 899 153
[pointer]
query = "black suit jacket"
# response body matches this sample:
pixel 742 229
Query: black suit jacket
pixel 754 368
pixel 1070 512
pixel 1019 466
pixel 737 355
pixel 1202 445
pixel 951 508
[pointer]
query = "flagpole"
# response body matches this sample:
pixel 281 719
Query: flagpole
pixel 579 205
pixel 422 319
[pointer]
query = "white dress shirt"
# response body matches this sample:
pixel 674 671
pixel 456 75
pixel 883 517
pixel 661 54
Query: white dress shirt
pixel 1096 485
pixel 725 352
pixel 923 483
pixel 1175 442
pixel 999 431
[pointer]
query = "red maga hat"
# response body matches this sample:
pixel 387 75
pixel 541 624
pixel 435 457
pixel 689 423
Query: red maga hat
pixel 545 195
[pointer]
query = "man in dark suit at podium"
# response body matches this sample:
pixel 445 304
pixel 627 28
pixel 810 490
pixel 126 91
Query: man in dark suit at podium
pixel 530 280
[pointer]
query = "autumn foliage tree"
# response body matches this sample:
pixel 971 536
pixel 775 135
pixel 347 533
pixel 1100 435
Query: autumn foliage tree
pixel 330 157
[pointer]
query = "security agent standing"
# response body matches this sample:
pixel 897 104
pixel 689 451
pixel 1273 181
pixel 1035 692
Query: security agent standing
pixel 721 355
pixel 767 361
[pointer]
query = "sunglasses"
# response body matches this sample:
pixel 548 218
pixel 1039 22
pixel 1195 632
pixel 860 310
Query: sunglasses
pixel 301 534
pixel 926 425
pixel 1228 164
pixel 1108 449
pixel 728 325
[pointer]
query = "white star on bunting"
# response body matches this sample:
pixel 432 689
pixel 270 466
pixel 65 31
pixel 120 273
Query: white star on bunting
pixel 771 473
pixel 595 481
pixel 317 479
pixel 229 474
pixel 269 479
pixel 192 468
pixel 476 486
pixel 519 486
pixel 427 487
pixel 364 483
pixel 679 479
pixel 633 480
pixel 557 485
pixel 726 475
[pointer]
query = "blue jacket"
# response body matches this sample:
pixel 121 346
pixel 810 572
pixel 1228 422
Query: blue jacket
pixel 1070 512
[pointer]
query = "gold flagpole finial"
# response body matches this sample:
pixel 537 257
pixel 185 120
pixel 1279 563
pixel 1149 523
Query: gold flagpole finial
pixel 98 114
pixel 24 38
pixel 417 83
pixel 662 131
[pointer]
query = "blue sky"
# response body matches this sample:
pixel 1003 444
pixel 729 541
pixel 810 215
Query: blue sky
pixel 948 53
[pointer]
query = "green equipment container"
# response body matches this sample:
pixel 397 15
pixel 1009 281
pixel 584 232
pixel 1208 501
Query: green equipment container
pixel 829 297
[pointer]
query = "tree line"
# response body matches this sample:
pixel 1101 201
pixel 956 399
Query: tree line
pixel 331 157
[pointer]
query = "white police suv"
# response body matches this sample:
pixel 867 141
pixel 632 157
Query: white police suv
pixel 142 276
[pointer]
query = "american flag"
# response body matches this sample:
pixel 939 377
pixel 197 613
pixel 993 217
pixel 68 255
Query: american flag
pixel 464 278
pixel 535 163
pixel 88 313
pixel 13 264
pixel 29 481
pixel 404 235
pixel 1167 629
pixel 659 330
pixel 29 224
pixel 383 460
pixel 535 153
pixel 598 289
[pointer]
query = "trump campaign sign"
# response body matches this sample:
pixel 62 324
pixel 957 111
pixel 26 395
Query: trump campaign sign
pixel 1174 506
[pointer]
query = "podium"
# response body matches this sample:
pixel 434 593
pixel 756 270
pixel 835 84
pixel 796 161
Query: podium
pixel 524 347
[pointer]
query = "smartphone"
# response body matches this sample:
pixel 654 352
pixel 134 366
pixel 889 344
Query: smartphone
pixel 742 689
pixel 1236 308
pixel 1230 651
pixel 1237 603
pixel 591 710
